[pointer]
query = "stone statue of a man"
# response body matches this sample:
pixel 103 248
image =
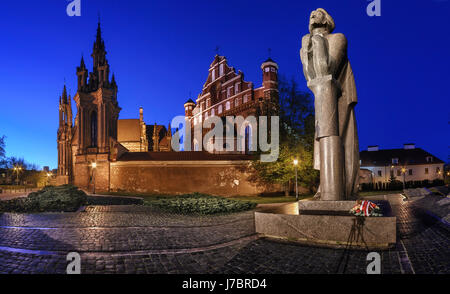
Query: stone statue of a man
pixel 330 77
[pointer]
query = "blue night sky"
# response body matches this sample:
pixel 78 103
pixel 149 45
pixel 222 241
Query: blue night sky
pixel 160 52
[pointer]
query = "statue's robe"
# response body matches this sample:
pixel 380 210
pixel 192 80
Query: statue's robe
pixel 343 74
pixel 347 130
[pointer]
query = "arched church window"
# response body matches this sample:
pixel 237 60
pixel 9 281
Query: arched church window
pixel 227 105
pixel 248 138
pixel 94 129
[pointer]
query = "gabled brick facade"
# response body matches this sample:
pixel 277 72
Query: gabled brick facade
pixel 226 93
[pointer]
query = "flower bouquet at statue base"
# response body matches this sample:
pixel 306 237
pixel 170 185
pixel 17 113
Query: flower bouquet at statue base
pixel 366 208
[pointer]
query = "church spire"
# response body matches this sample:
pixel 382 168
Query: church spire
pixel 82 65
pixel 64 95
pixel 100 74
pixel 99 53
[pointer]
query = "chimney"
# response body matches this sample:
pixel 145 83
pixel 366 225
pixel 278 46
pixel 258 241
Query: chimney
pixel 409 146
pixel 373 148
pixel 141 114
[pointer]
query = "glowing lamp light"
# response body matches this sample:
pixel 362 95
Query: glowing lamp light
pixel 94 165
pixel 295 161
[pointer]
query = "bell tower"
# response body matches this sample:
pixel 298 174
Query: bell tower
pixel 270 84
pixel 64 139
pixel 96 120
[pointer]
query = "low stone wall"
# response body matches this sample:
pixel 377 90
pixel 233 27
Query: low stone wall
pixel 17 191
pixel 219 177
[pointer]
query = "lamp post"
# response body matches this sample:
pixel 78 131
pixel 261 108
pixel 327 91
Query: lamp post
pixel 296 186
pixel 94 166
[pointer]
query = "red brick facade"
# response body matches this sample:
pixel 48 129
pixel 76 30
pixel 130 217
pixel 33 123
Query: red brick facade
pixel 226 93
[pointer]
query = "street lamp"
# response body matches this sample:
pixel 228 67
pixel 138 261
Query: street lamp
pixel 94 166
pixel 17 169
pixel 296 187
pixel 404 175
pixel 48 178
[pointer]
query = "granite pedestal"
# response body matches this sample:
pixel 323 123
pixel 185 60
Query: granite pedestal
pixel 329 223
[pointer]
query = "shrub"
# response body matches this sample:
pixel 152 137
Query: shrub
pixel 49 199
pixel 200 204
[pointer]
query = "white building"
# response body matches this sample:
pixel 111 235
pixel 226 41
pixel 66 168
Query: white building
pixel 408 164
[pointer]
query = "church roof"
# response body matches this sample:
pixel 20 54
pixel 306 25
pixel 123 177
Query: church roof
pixel 405 157
pixel 128 130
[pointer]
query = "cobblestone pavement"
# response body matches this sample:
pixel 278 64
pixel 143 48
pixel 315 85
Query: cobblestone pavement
pixel 133 239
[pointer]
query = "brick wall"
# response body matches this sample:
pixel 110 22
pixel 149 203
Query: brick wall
pixel 176 177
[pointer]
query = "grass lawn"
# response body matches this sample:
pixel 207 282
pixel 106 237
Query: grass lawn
pixel 149 198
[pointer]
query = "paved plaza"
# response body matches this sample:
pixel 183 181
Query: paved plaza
pixel 141 240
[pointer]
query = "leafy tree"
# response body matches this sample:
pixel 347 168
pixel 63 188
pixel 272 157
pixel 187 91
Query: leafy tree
pixel 2 152
pixel 296 113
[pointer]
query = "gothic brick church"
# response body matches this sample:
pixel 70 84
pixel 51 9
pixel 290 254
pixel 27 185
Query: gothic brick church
pixel 98 151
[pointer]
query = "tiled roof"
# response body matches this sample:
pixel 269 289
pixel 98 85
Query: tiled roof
pixel 128 130
pixel 405 157
pixel 180 156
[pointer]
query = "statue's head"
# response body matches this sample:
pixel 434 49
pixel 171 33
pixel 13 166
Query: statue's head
pixel 321 18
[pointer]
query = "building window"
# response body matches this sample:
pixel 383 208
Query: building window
pixel 380 173
pixel 438 170
pixel 426 170
pixel 227 105
pixel 272 69
pixel 202 106
pixel 266 69
pixel 245 98
pixel 229 92
pixel 219 109
pixel 213 74
pixel 394 160
pixel 248 138
pixel 236 88
pixel 213 112
pixel 236 102
pixel 221 70
pixel 208 102
pixel 410 172
pixel 429 158
pixel 206 115
pixel 94 129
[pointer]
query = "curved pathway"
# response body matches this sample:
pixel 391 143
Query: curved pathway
pixel 138 239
